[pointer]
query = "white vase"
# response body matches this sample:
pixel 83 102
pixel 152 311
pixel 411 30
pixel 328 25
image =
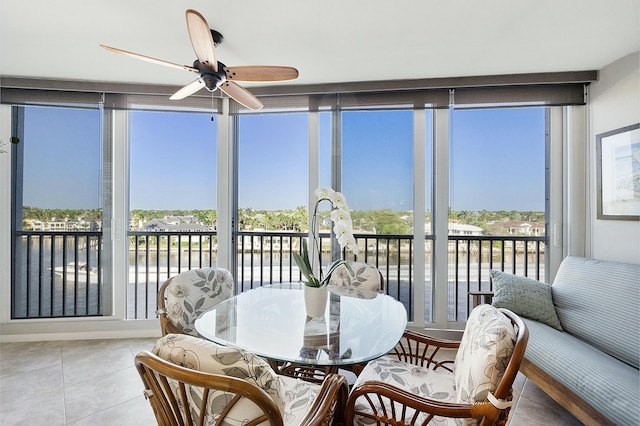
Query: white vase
pixel 315 300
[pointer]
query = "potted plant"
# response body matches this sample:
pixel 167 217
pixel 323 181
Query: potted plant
pixel 341 217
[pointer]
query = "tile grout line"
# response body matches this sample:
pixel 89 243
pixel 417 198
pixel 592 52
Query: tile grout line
pixel 64 388
pixel 514 408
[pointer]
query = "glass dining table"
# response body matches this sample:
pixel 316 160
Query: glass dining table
pixel 271 321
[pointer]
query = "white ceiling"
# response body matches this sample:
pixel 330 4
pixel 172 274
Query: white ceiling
pixel 329 41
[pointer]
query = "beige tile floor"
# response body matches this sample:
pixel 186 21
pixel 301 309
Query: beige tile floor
pixel 94 382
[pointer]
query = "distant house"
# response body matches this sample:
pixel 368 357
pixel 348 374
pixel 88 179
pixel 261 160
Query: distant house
pixel 517 227
pixel 62 225
pixel 460 229
pixel 155 225
pixel 175 220
pixel 463 229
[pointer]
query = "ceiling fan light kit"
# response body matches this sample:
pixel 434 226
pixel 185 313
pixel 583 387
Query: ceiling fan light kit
pixel 214 74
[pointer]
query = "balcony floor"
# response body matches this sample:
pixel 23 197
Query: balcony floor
pixel 94 382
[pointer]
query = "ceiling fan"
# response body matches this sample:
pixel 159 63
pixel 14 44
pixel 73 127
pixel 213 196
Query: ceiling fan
pixel 215 74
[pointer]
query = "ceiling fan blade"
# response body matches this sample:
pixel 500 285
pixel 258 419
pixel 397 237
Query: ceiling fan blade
pixel 241 95
pixel 201 39
pixel 189 89
pixel 261 73
pixel 150 59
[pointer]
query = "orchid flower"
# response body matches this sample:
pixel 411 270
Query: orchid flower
pixel 343 230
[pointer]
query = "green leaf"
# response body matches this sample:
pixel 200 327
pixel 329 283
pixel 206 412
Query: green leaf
pixel 305 267
pixel 199 303
pixel 439 395
pixel 398 379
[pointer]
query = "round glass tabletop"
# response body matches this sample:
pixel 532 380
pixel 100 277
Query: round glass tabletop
pixel 271 321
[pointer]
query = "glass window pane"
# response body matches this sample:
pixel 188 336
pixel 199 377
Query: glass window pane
pixel 497 198
pixel 377 181
pixel 377 167
pixel 272 195
pixel 173 161
pixel 172 198
pixel 324 148
pixel 58 269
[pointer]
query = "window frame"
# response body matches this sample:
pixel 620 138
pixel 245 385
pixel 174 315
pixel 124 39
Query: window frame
pixel 571 115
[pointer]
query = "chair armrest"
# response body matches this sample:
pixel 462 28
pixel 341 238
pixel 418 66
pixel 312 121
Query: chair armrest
pixel 420 349
pixel 330 402
pixel 383 402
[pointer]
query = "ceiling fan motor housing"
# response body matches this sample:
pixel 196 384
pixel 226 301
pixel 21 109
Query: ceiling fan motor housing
pixel 212 79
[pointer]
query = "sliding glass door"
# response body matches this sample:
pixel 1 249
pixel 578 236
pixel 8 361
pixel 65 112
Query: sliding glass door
pixel 172 201
pixel 497 199
pixel 272 196
pixel 57 256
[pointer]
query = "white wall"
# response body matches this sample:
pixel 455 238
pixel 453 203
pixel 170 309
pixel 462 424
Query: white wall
pixel 614 103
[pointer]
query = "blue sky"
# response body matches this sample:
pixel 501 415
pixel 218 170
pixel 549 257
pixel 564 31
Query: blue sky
pixel 173 161
pixel 62 165
pixel 498 158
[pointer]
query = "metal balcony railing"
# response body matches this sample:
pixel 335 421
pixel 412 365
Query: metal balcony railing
pixel 59 274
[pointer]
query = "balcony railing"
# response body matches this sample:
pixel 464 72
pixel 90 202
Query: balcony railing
pixel 57 274
pixel 60 274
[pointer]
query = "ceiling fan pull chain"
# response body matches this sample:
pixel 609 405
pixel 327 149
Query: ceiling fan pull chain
pixel 212 110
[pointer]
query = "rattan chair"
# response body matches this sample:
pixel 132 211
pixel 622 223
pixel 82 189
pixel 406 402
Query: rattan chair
pixel 191 381
pixel 448 382
pixel 183 297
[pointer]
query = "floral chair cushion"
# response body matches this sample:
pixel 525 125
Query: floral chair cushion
pixel 480 362
pixel 483 355
pixel 366 277
pixel 199 354
pixel 298 397
pixel 192 292
pixel 424 382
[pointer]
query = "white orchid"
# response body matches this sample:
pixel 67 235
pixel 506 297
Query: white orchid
pixel 340 201
pixel 342 228
pixel 325 194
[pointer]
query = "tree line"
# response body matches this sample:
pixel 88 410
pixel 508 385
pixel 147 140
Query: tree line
pixel 381 221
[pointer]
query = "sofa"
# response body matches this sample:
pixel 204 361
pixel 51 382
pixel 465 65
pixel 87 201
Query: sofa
pixel 584 336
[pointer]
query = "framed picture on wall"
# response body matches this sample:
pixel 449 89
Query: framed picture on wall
pixel 618 173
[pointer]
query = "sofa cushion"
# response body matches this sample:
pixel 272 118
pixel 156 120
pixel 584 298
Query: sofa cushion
pixel 525 297
pixel 610 386
pixel 597 301
pixel 201 355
